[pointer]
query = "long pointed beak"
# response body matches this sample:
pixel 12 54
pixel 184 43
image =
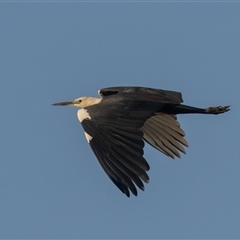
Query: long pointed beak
pixel 68 103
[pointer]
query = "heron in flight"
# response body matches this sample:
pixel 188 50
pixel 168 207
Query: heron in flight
pixel 117 124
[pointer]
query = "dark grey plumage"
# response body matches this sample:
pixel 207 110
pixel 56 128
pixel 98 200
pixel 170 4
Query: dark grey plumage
pixel 117 125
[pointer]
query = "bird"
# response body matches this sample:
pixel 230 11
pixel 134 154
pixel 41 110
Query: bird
pixel 118 124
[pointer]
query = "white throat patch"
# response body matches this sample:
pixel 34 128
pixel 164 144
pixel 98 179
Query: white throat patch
pixel 83 114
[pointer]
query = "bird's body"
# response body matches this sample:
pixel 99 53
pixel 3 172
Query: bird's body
pixel 117 124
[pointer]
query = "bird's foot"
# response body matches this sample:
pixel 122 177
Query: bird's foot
pixel 217 110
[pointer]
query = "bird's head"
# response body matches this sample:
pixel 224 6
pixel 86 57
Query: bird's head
pixel 81 102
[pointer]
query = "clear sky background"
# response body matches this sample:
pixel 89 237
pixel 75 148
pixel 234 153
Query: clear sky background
pixel 51 185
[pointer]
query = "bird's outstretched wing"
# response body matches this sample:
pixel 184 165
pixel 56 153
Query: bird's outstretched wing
pixel 164 133
pixel 121 121
pixel 119 150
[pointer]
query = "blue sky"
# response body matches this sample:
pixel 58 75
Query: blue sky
pixel 51 185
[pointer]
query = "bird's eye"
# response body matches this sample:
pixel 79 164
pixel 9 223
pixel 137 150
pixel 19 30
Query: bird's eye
pixel 80 100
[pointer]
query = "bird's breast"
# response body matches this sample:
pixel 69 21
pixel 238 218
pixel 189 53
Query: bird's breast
pixel 83 114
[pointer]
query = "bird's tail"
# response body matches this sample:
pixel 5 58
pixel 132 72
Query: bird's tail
pixel 184 109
